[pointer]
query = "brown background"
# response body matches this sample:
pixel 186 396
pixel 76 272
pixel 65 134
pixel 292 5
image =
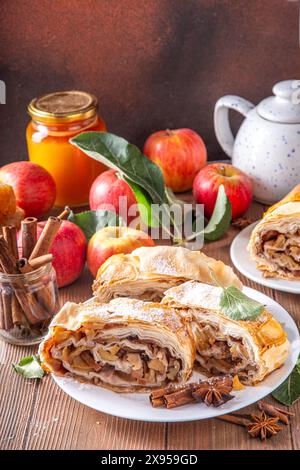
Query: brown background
pixel 153 63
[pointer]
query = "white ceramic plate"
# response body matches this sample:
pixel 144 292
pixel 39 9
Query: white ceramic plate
pixel 241 260
pixel 137 406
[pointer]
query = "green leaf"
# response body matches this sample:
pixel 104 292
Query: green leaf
pixel 115 152
pixel 289 391
pixel 92 221
pixel 221 217
pixel 219 221
pixel 144 204
pixel 29 367
pixel 171 197
pixel 238 306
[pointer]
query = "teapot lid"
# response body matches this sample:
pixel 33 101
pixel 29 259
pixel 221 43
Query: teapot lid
pixel 284 106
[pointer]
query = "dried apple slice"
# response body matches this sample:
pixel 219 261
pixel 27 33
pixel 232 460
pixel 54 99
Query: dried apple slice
pixel 7 200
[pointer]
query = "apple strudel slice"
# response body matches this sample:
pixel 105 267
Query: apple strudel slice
pixel 126 345
pixel 275 241
pixel 148 272
pixel 249 349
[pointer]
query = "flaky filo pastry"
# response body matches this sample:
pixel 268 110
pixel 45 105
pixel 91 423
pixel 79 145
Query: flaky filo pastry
pixel 127 345
pixel 148 272
pixel 275 241
pixel 250 349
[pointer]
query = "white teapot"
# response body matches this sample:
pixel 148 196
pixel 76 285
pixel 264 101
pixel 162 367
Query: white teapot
pixel 267 145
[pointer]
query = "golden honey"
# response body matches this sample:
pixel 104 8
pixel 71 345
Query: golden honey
pixel 56 118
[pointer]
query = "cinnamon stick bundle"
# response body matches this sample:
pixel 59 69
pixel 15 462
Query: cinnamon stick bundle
pixel 31 308
pixel 22 307
pixel 46 295
pixel 173 395
pixel 213 392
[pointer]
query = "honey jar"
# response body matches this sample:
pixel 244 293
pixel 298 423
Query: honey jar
pixel 56 118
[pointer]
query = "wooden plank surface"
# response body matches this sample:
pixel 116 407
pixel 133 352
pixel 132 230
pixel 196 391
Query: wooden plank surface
pixel 38 415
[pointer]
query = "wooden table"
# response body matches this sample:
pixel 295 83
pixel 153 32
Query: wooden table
pixel 38 415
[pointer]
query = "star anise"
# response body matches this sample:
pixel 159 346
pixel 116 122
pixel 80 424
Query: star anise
pixel 214 392
pixel 263 426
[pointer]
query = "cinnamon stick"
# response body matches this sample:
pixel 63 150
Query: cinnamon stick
pixel 179 398
pixel 8 262
pixel 235 419
pixel 17 313
pixel 10 236
pixel 157 402
pixel 26 266
pixel 275 411
pixel 6 299
pixel 29 235
pixel 48 296
pixel 64 213
pixel 2 319
pixel 47 236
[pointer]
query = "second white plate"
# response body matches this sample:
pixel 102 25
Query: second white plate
pixel 242 261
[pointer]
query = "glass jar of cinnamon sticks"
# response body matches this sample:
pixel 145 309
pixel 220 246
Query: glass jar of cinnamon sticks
pixel 28 303
pixel 28 289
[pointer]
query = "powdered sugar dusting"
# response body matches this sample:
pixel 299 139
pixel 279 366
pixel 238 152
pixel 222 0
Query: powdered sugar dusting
pixel 120 309
pixel 165 266
pixel 195 294
pixel 161 259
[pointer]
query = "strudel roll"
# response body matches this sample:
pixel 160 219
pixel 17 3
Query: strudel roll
pixel 275 240
pixel 250 349
pixel 148 272
pixel 127 345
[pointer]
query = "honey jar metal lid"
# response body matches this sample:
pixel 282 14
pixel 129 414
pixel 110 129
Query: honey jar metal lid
pixel 63 106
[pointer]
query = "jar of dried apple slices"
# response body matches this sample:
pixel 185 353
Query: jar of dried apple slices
pixel 28 302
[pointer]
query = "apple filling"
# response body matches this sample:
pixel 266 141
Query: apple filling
pixel 282 250
pixel 217 354
pixel 116 361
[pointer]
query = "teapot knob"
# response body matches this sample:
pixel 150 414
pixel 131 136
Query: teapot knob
pixel 287 89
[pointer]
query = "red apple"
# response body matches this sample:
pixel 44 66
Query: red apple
pixel 237 185
pixel 179 153
pixel 33 186
pixel 112 240
pixel 69 252
pixel 106 191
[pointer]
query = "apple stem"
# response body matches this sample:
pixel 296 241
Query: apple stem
pixel 222 170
